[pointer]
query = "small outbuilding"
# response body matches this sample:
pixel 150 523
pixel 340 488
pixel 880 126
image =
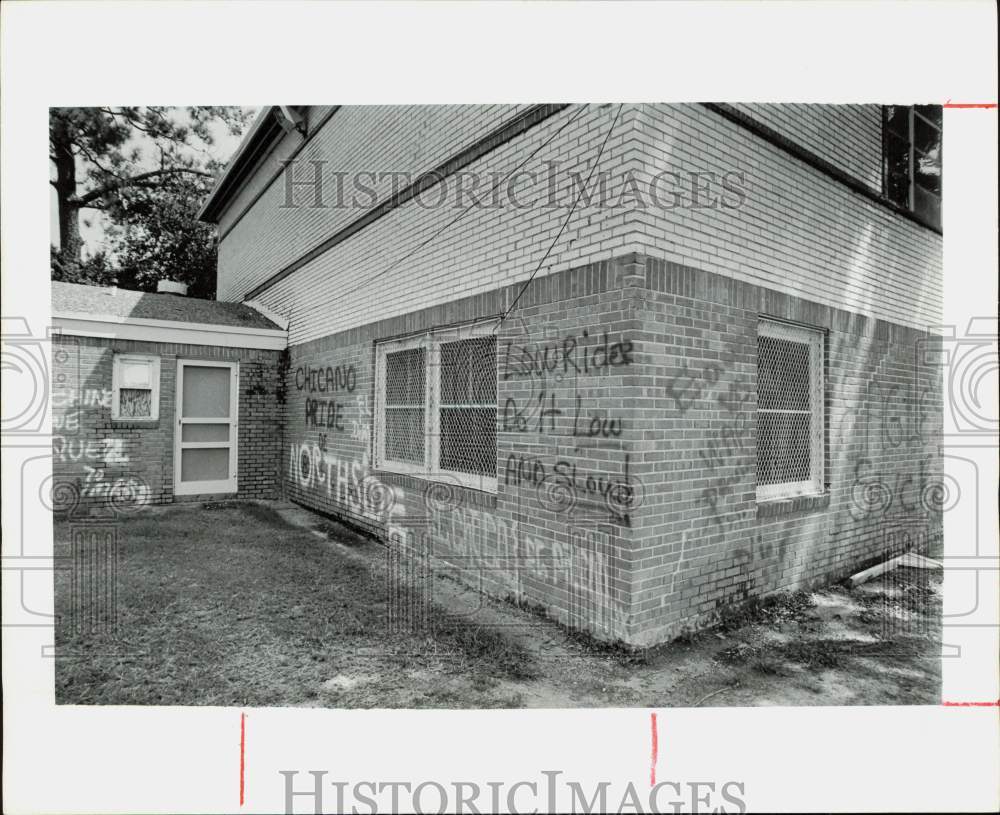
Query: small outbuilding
pixel 161 397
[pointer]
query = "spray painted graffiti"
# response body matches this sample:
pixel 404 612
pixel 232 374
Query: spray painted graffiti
pixel 576 354
pixel 541 416
pixel 88 397
pixel 346 481
pixel 579 562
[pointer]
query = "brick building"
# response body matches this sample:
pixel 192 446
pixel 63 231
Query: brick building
pixel 160 397
pixel 629 363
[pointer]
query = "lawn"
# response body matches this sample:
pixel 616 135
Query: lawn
pixel 251 605
pixel 235 606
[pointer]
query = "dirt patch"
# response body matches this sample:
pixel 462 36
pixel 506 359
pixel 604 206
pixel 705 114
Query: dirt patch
pixel 257 605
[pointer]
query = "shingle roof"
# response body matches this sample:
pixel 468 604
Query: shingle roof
pixel 78 299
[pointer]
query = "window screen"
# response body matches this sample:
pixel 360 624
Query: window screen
pixel 790 425
pixel 405 377
pixel 438 405
pixel 468 406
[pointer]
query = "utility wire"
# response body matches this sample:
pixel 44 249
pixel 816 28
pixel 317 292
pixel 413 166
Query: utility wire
pixel 465 211
pixel 565 223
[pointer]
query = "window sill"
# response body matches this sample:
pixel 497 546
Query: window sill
pixel 129 422
pixel 439 493
pixel 776 507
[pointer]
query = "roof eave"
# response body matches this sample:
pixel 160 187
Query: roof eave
pixel 261 133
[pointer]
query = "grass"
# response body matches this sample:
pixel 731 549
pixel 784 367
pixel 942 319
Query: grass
pixel 234 606
pixel 231 605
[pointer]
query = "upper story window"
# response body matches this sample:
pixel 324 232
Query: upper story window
pixel 135 387
pixel 791 429
pixel 911 138
pixel 436 406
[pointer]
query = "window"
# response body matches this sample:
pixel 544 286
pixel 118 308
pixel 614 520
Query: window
pixel 436 406
pixel 790 424
pixel 911 138
pixel 135 387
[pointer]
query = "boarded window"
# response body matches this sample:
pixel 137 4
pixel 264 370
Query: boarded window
pixel 135 387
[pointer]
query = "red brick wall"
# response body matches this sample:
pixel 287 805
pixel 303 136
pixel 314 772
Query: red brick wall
pixel 99 461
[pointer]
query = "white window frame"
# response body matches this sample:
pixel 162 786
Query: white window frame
pixel 815 339
pixel 116 386
pixel 431 343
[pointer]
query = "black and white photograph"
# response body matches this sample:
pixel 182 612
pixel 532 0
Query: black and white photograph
pixel 643 408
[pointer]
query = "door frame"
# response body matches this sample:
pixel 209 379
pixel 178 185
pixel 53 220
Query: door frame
pixel 207 487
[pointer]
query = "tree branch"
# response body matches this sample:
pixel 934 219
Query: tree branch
pixel 134 181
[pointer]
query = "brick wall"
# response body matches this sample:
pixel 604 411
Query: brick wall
pixel 704 541
pixel 626 500
pixel 422 254
pixel 366 139
pixel 848 136
pixel 557 531
pixel 795 230
pixel 99 461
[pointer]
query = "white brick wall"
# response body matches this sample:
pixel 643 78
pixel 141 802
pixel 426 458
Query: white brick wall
pixel 798 231
pixel 380 139
pixel 848 136
pixel 485 249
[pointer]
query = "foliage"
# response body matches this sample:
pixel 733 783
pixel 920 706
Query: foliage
pixel 147 169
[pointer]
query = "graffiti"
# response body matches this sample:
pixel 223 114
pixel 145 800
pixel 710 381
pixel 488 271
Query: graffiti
pixel 579 561
pixel 346 481
pixel 560 357
pixel 109 451
pixel 898 415
pixel 89 397
pixel 872 495
pixel 760 549
pixel 325 413
pixel 67 422
pixel 687 388
pixel 561 485
pixel 128 492
pixel 543 419
pixel 328 379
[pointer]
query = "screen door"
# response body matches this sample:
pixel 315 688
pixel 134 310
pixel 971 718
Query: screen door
pixel 205 441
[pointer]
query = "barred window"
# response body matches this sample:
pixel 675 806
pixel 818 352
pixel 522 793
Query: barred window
pixel 911 139
pixel 790 423
pixel 436 406
pixel 135 387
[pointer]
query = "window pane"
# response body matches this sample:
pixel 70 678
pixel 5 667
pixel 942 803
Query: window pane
pixel 135 403
pixel 469 372
pixel 783 448
pixel 404 377
pixel 404 434
pixel 469 440
pixel 926 137
pixel 930 112
pixel 210 464
pixel 783 380
pixel 897 120
pixel 927 205
pixel 205 432
pixel 927 170
pixel 897 171
pixel 206 392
